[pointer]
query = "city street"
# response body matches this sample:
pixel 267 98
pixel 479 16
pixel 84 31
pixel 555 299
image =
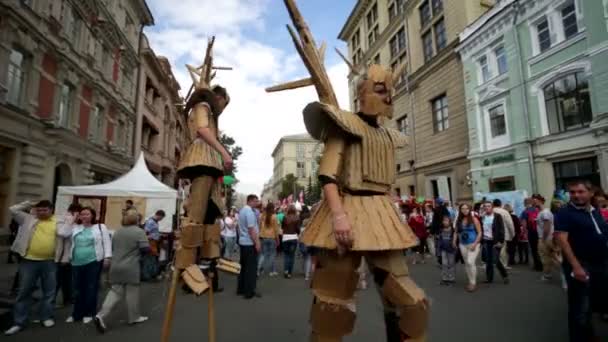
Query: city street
pixel 525 310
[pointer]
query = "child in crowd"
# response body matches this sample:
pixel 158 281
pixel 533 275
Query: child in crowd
pixel 447 249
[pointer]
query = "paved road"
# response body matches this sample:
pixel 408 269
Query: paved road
pixel 525 310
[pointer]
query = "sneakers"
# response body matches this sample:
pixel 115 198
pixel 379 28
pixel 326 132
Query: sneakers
pixel 70 320
pixel 546 277
pixel 48 323
pixel 140 319
pixel 87 320
pixel 13 330
pixel 273 274
pixel 100 325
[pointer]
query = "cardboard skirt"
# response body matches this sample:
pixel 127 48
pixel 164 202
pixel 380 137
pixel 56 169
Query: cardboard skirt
pixel 374 222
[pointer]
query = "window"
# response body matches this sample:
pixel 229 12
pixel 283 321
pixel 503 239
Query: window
pixel 398 192
pixel 425 13
pixel 427 44
pixel 440 113
pixel 372 36
pixel 105 60
pixel 440 38
pixel 357 57
pixel 502 184
pixel 301 169
pixel 392 10
pixel 97 123
pixel 401 81
pixel 355 40
pixel 567 103
pixel 402 125
pixel 498 125
pixel 412 190
pixel 544 36
pixel 485 69
pixel 372 16
pixel 397 43
pixel 120 134
pixel 16 77
pixel 501 60
pixel 398 167
pixel 377 59
pixel 576 169
pixel 68 26
pixel 437 6
pixel 300 151
pixel 569 20
pixel 65 105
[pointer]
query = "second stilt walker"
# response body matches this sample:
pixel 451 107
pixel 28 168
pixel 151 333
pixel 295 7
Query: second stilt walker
pixel 356 218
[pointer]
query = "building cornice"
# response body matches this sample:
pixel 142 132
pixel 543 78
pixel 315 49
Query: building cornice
pixel 486 29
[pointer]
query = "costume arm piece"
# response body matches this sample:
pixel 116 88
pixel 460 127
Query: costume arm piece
pixel 331 161
pixel 201 114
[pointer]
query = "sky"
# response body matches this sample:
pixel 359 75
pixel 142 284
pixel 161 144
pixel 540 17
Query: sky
pixel 252 39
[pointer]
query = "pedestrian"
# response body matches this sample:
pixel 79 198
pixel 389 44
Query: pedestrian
pixel 36 243
pixel 129 208
pixel 150 262
pixel 509 230
pixel 582 234
pixel 522 244
pixel 493 241
pixel 269 238
pixel 249 244
pixel 229 228
pixel 91 253
pixel 512 244
pixel 62 255
pixel 546 249
pixel 416 222
pixel 291 230
pixel 439 213
pixel 128 245
pixel 428 222
pixel 528 223
pixel 468 234
pixel 447 249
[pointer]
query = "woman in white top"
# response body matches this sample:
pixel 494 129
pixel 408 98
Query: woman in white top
pixel 91 251
pixel 229 227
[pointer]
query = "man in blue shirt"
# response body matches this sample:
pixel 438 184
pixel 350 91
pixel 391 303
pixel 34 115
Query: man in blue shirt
pixel 582 234
pixel 249 244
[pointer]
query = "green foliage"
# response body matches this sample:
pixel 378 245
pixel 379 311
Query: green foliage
pixel 290 186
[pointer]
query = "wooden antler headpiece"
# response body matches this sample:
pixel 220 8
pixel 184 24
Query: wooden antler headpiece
pixel 205 73
pixel 311 55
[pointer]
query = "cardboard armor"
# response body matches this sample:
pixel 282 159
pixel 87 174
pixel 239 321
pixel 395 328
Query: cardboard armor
pixel 359 158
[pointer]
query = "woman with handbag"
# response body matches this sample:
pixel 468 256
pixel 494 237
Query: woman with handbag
pixel 90 253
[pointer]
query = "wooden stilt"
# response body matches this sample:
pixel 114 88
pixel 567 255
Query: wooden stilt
pixel 170 307
pixel 211 310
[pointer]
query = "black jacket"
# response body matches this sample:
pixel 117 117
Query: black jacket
pixel 498 229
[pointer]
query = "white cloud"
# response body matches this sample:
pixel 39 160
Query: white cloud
pixel 254 118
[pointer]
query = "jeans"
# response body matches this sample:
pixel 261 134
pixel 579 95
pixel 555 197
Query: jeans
pixel 289 254
pixel 511 248
pixel 130 293
pixel 492 255
pixel 470 256
pixel 64 283
pixel 584 299
pixel 522 250
pixel 30 272
pixel 229 245
pixel 269 252
pixel 248 276
pixel 448 272
pixel 86 286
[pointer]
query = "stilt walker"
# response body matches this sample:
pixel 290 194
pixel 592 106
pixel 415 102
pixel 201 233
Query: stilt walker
pixel 356 217
pixel 203 163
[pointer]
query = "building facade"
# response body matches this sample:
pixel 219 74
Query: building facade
pixel 536 85
pixel 298 155
pixel 161 127
pixel 68 73
pixel 429 98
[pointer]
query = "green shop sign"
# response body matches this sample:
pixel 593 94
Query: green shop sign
pixel 505 158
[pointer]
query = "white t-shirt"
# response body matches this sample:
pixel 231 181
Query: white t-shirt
pixel 229 227
pixel 544 216
pixel 488 221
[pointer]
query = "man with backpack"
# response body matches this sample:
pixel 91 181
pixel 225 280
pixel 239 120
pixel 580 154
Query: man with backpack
pixel 529 222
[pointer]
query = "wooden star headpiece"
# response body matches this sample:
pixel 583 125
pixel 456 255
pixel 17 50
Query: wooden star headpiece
pixel 205 73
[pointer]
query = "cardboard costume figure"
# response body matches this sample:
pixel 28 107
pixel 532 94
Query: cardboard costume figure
pixel 356 217
pixel 203 164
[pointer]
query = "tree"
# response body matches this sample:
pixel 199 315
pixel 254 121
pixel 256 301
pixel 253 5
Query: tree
pixel 235 151
pixel 289 186
pixel 313 191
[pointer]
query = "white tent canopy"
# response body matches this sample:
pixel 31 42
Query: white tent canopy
pixel 137 183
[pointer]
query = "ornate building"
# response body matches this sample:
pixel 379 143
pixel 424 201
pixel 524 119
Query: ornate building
pixel 68 83
pixel 161 128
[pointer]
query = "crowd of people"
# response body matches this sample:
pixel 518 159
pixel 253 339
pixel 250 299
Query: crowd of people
pixel 70 253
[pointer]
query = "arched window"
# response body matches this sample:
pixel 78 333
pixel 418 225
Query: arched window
pixel 567 102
